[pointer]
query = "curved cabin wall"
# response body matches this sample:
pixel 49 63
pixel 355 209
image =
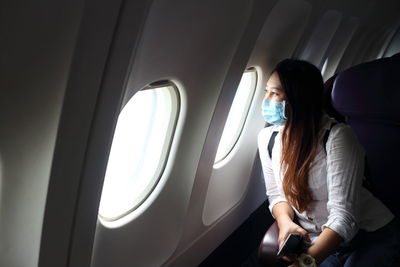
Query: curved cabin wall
pixel 232 175
pixel 36 53
pixel 394 44
pixel 195 56
pixel 66 70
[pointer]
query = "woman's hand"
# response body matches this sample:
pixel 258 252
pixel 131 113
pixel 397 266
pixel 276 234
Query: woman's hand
pixel 289 227
pixel 284 215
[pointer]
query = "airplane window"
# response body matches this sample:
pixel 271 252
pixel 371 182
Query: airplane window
pixel 237 114
pixel 139 150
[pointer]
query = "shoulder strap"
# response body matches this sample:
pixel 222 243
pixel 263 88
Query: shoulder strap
pixel 367 177
pixel 271 143
pixel 367 174
pixel 326 135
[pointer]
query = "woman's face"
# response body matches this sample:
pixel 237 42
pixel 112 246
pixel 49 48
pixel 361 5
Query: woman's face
pixel 274 90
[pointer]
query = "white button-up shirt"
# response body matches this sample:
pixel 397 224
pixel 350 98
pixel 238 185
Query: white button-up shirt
pixel 340 202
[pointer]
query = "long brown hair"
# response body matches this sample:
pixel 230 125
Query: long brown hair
pixel 303 86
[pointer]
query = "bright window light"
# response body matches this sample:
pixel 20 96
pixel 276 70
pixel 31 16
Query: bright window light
pixel 324 67
pixel 139 150
pixel 237 114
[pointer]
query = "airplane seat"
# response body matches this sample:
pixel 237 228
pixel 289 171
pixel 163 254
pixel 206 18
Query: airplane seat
pixel 329 109
pixel 269 247
pixel 368 95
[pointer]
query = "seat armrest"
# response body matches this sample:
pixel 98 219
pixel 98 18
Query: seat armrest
pixel 268 249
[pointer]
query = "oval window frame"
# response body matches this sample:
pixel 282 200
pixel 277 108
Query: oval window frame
pixel 220 160
pixel 175 105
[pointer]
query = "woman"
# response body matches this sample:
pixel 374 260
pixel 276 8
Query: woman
pixel 314 184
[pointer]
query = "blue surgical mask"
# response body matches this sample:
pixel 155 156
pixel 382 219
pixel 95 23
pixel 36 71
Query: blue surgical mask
pixel 274 112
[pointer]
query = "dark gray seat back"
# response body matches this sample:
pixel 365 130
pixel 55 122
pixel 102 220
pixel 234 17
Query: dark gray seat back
pixel 369 96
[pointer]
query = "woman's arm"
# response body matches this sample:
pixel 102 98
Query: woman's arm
pixel 326 243
pixel 278 205
pixel 282 212
pixel 274 193
pixel 345 171
pixel 284 216
pixel 345 165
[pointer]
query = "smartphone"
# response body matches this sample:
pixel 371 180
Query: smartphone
pixel 293 244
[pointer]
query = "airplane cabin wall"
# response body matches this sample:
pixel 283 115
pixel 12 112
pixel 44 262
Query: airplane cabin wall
pixel 199 75
pixel 216 204
pixel 67 69
pixel 368 24
pixel 375 21
pixel 36 52
pixel 225 194
pixel 394 44
pixel 97 78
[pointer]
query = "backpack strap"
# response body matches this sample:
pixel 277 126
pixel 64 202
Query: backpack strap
pixel 367 180
pixel 326 135
pixel 271 143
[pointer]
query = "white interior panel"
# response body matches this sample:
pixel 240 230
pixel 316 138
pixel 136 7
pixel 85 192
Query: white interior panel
pixel 67 69
pixel 279 37
pixel 371 46
pixel 386 41
pixel 199 240
pixel 230 178
pixel 338 45
pixel 321 37
pixel 36 51
pixel 168 49
pixel 394 45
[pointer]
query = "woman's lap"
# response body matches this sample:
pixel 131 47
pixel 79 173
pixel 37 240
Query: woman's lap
pixel 379 248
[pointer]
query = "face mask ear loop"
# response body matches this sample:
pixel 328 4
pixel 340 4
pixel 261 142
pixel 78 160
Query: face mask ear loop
pixel 284 109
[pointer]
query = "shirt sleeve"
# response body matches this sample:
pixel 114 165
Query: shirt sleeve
pixel 273 190
pixel 345 168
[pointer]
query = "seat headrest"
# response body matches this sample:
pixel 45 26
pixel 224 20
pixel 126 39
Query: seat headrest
pixel 370 90
pixel 368 96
